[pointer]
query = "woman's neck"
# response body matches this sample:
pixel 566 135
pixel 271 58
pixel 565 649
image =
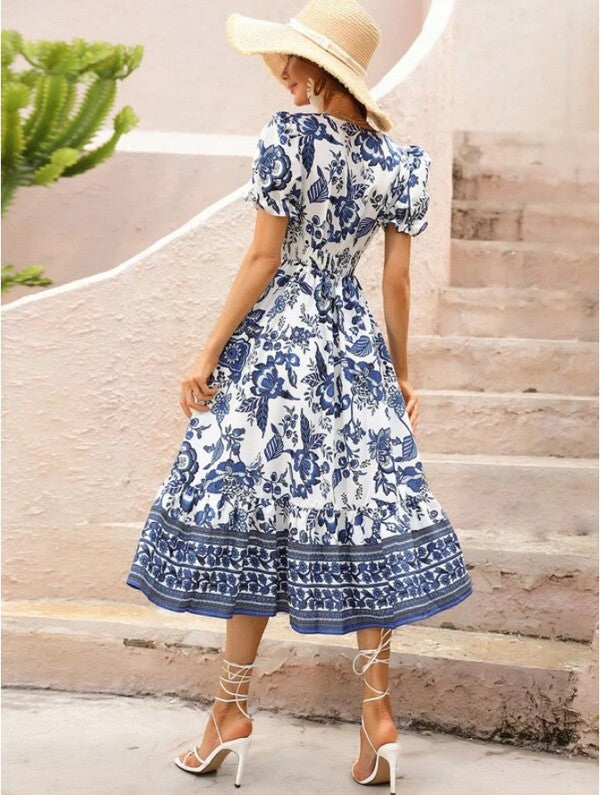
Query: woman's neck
pixel 343 106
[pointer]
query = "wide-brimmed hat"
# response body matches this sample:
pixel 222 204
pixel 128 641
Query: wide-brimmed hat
pixel 338 35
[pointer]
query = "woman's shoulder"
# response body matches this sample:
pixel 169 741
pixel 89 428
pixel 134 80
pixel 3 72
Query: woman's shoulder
pixel 301 129
pixel 283 118
pixel 408 158
pixel 302 121
pixel 407 151
pixel 282 125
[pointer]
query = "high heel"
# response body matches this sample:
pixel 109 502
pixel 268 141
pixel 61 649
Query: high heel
pixel 386 756
pixel 239 746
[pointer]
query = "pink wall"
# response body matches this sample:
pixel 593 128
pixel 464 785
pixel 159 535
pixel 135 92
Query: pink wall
pixel 526 66
pixel 92 368
pixel 190 81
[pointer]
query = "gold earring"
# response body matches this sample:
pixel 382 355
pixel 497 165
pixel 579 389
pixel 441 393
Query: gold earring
pixel 315 99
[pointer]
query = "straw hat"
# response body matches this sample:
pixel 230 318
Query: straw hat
pixel 338 35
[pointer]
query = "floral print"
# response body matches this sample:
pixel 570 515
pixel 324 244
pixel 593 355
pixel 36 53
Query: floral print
pixel 302 489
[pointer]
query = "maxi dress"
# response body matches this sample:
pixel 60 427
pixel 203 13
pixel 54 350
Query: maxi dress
pixel 302 488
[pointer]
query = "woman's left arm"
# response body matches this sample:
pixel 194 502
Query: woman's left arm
pixel 396 307
pixel 258 267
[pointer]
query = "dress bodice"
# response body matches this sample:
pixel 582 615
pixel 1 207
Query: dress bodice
pixel 338 183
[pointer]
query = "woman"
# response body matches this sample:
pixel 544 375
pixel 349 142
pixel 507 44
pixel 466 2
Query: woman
pixel 299 486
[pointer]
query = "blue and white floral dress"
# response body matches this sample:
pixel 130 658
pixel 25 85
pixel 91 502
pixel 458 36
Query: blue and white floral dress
pixel 302 490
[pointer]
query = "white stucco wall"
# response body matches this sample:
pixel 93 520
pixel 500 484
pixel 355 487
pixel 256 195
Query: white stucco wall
pixel 92 370
pixel 191 79
pixel 190 82
pixel 526 66
pixel 520 65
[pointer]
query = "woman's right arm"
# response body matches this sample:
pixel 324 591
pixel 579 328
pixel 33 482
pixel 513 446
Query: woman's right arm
pixel 396 307
pixel 257 269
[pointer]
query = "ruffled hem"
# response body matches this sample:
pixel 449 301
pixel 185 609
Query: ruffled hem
pixel 273 204
pixel 409 200
pixel 154 596
pixel 398 574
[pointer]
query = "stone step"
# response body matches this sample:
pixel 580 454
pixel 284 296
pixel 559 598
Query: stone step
pixel 563 157
pixel 503 364
pixel 501 263
pixel 558 496
pixel 492 686
pixel 528 313
pixel 536 584
pixel 523 168
pixel 524 184
pixel 457 421
pixel 566 223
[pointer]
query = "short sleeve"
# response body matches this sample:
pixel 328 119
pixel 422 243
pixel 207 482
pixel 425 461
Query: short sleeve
pixel 408 199
pixel 275 184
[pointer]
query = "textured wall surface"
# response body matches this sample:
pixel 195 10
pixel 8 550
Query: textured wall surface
pixel 527 65
pixel 92 369
pixel 418 95
pixel 99 219
pixel 191 79
pixel 191 82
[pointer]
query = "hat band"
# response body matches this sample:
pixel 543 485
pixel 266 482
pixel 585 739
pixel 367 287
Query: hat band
pixel 327 44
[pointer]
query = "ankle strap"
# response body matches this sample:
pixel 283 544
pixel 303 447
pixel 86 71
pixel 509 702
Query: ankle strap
pixel 235 677
pixel 373 657
pixel 373 654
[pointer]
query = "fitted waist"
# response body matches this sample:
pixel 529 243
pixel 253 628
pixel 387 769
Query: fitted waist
pixel 326 267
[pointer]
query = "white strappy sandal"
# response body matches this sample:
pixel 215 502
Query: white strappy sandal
pixel 387 752
pixel 240 745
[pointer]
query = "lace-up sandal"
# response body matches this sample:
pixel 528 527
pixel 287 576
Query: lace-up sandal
pixel 240 745
pixel 386 755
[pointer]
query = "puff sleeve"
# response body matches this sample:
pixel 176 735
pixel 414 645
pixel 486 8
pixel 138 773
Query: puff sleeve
pixel 275 184
pixel 408 199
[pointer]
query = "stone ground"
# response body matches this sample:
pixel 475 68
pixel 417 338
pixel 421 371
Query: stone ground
pixel 67 743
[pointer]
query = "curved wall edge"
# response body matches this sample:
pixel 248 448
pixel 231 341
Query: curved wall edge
pixel 92 369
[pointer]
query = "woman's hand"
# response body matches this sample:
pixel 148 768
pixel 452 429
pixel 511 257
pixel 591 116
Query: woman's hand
pixel 411 399
pixel 195 388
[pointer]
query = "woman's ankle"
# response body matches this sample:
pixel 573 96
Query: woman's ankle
pixel 380 709
pixel 226 708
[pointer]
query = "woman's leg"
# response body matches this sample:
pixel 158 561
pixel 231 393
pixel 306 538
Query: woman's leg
pixel 243 636
pixel 377 714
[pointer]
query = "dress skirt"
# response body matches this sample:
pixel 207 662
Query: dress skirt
pixel 302 489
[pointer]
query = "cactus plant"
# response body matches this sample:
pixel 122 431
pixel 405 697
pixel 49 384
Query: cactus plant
pixel 50 142
pixel 29 277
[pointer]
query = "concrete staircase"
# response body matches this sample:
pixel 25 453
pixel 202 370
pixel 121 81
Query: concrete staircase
pixel 510 386
pixel 508 391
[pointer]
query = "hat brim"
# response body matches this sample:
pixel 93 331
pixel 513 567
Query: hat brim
pixel 274 41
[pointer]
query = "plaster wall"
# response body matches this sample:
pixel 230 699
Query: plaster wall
pixel 92 369
pixel 191 79
pixel 191 86
pixel 526 66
